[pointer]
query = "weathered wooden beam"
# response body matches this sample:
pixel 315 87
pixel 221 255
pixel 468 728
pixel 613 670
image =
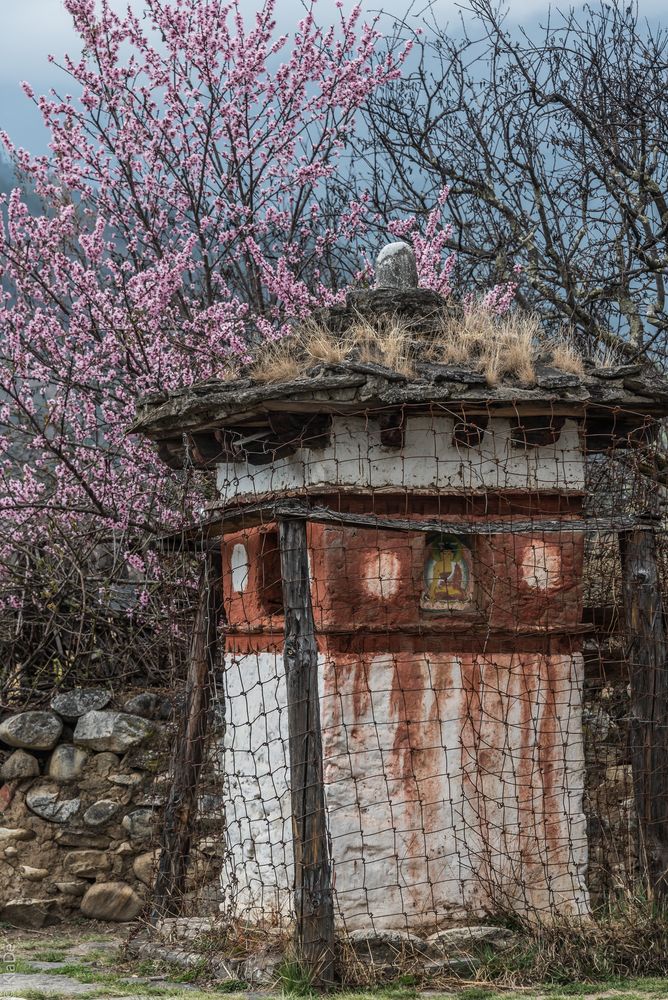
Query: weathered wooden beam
pixel 643 607
pixel 314 906
pixel 188 756
pixel 271 510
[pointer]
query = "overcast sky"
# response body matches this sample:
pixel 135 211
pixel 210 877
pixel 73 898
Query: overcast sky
pixel 32 29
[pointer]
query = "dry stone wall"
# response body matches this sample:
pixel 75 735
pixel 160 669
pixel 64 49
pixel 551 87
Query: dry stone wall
pixel 612 828
pixel 81 786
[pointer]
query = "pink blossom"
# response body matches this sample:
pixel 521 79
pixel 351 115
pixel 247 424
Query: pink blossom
pixel 180 222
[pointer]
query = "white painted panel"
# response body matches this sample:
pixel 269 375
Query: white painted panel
pixel 452 784
pixel 429 459
pixel 240 567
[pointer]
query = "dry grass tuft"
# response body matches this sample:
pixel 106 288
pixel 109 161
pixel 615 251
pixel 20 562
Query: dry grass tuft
pixel 497 346
pixel 320 345
pixel 390 344
pixel 607 355
pixel 629 940
pixel 566 358
pixel 278 361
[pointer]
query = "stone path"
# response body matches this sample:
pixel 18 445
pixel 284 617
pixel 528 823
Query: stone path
pixel 16 983
pixel 46 977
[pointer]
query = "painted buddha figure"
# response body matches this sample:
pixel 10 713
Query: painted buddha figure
pixel 448 580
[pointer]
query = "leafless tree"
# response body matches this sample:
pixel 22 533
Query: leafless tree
pixel 555 146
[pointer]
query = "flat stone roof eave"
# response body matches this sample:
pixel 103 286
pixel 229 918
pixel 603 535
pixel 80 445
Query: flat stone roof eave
pixel 195 414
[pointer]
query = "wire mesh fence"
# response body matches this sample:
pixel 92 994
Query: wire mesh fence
pixel 423 683
pixel 440 679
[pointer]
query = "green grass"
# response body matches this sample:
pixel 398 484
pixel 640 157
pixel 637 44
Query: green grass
pixel 645 987
pixel 18 965
pixel 109 983
pixel 50 955
pixel 500 976
pixel 633 989
pixel 190 995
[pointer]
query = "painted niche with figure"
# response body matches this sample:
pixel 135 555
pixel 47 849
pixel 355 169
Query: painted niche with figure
pixel 448 574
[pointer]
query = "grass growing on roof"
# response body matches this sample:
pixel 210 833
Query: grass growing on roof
pixel 496 346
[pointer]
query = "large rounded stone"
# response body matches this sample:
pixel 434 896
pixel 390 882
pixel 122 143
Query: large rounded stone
pixel 46 802
pixel 34 913
pixel 101 812
pixel 86 864
pixel 19 765
pixel 31 730
pixel 71 705
pixel 139 824
pixel 113 731
pixel 111 901
pixel 67 763
pixel 145 866
pixel 150 706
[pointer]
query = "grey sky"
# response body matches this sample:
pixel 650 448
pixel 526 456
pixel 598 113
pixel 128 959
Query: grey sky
pixel 32 29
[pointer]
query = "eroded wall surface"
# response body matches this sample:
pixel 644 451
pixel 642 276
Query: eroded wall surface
pixel 454 786
pixel 429 459
pixel 454 766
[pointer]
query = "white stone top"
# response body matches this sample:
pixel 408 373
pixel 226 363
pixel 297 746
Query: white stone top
pixel 396 267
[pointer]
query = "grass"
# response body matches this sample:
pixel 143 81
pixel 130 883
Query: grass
pixel 293 982
pixel 637 990
pixel 496 346
pixel 633 989
pixel 621 956
pixel 628 941
pixel 293 979
pixel 16 965
pixel 105 992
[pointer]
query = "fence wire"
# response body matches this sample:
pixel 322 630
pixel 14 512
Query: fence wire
pixel 487 732
pixel 476 651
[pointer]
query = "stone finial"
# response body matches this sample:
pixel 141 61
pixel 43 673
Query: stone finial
pixel 396 267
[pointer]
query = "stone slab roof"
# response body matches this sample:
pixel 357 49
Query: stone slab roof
pixel 624 394
pixel 201 417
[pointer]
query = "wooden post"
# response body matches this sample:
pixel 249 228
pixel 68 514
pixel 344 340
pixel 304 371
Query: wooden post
pixel 188 756
pixel 649 700
pixel 313 891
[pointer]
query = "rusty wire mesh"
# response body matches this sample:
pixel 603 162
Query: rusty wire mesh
pixel 474 678
pixel 475 660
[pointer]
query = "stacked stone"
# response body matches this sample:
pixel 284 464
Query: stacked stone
pixel 80 788
pixel 612 828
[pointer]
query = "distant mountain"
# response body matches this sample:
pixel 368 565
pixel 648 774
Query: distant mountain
pixel 8 181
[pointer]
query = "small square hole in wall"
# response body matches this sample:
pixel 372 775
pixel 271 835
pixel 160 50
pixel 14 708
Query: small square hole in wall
pixel 469 432
pixel 270 580
pixel 449 583
pixel 536 432
pixel 392 430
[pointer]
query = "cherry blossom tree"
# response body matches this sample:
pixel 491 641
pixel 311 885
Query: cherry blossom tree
pixel 189 210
